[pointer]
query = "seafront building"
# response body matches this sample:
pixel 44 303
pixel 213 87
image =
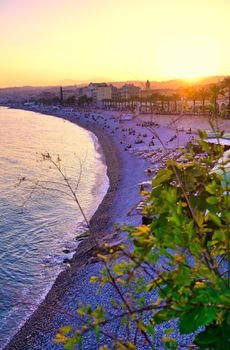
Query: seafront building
pixel 102 91
pixel 147 91
pixel 99 92
pixel 126 97
pixel 116 94
pixel 129 90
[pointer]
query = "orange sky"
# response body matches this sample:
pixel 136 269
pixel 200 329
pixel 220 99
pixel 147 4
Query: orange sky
pixel 44 42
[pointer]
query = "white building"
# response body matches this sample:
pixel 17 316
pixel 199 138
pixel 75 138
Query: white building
pixel 100 92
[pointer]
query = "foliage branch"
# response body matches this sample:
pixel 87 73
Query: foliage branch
pixel 175 268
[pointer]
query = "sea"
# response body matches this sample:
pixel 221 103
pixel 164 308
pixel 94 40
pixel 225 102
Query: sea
pixel 43 160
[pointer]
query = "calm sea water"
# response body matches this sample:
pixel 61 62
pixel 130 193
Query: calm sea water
pixel 38 219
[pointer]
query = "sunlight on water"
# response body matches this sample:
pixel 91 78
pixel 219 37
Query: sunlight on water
pixel 36 224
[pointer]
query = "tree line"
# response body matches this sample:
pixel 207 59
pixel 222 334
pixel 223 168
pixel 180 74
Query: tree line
pixel 159 102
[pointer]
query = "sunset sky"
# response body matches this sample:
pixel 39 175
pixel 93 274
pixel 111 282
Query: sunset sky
pixel 44 42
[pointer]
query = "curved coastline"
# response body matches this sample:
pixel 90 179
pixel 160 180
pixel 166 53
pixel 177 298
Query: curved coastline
pixel 100 224
pixel 72 286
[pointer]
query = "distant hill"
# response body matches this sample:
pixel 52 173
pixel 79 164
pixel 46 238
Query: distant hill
pixel 73 82
pixel 172 84
pixel 25 93
pixel 30 92
pixel 168 84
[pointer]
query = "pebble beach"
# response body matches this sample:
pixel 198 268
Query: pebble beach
pixel 134 151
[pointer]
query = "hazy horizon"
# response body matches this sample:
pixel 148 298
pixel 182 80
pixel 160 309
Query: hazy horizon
pixel 72 82
pixel 50 41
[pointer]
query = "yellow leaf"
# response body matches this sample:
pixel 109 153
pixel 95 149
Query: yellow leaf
pixel 93 279
pixel 141 326
pixel 60 338
pixel 178 258
pixel 81 312
pixel 121 346
pixel 199 285
pixel 120 280
pixel 167 339
pixel 143 228
pixel 199 217
pixel 131 346
pixel 104 257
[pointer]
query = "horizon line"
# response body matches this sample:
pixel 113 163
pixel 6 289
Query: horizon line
pixel 88 81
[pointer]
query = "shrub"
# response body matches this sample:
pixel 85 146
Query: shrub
pixel 175 268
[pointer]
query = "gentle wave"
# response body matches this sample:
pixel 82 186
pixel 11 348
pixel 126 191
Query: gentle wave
pixel 38 228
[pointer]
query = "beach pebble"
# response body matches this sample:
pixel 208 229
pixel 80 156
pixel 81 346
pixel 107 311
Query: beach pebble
pixel 66 251
pixel 66 261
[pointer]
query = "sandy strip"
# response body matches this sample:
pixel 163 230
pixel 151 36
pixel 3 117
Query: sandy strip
pixel 71 286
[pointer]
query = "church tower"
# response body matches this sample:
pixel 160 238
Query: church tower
pixel 147 85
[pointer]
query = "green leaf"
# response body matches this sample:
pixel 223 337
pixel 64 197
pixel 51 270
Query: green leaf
pixel 81 311
pixel 211 187
pixel 79 340
pixel 202 134
pixel 215 219
pixel 219 236
pixel 97 332
pixel 187 322
pixel 209 337
pixel 70 343
pixel 152 257
pixel 168 331
pixel 206 316
pixel 162 176
pixel 205 146
pixel 199 216
pixel 163 315
pixel 100 312
pixel 89 309
pixel 193 319
pixel 150 329
pixel 212 200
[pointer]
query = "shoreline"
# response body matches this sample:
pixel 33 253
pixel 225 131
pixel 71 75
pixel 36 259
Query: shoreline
pixel 129 149
pixel 100 225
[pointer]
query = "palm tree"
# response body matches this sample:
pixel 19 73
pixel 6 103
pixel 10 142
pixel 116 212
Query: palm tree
pixel 203 94
pixel 162 99
pixel 175 98
pixel 215 92
pixel 191 93
pixel 226 86
pixel 153 100
pixel 134 100
pixel 168 99
pixel 84 100
pixel 119 103
pixel 142 101
pixel 70 101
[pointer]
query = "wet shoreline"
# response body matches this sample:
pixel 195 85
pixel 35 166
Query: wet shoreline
pixel 85 249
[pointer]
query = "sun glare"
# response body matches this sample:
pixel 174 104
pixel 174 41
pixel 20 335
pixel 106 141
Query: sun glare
pixel 46 42
pixel 189 60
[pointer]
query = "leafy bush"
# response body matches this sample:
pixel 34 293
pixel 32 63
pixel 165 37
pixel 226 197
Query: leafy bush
pixel 176 268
